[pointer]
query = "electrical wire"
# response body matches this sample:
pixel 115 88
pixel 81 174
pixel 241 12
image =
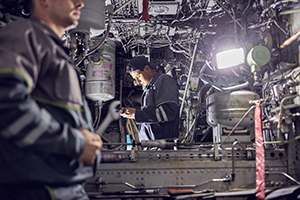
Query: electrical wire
pixel 231 15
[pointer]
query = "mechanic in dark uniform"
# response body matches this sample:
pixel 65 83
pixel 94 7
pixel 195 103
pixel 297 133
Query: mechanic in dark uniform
pixel 158 117
pixel 47 144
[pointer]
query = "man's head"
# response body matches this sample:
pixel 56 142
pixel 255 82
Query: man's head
pixel 140 69
pixel 58 14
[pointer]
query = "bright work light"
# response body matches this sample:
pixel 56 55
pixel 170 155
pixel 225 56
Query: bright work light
pixel 230 58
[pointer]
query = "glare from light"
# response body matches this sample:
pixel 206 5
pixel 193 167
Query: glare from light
pixel 230 58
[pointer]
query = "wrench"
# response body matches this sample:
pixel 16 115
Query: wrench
pixel 113 114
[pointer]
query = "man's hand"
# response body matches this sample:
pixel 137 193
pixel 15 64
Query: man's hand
pixel 129 113
pixel 92 144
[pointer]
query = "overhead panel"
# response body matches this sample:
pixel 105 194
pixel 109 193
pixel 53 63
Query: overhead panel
pixel 160 7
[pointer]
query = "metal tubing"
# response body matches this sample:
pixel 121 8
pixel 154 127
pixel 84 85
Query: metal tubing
pixel 98 45
pixel 232 158
pixel 280 119
pixel 193 186
pixel 188 80
pixel 286 175
pixel 128 2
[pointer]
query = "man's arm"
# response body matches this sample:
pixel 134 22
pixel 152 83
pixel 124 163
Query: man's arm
pixel 26 125
pixel 129 113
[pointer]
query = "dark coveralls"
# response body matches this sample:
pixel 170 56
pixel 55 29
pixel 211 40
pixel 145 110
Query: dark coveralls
pixel 159 114
pixel 41 109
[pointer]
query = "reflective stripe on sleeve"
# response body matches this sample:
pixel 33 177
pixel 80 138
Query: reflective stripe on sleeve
pixel 157 115
pixel 21 122
pixel 35 133
pixel 163 113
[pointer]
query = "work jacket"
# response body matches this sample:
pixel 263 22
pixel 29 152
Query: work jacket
pixel 158 117
pixel 41 108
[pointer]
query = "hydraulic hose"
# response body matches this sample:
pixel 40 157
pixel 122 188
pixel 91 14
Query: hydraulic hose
pixel 280 123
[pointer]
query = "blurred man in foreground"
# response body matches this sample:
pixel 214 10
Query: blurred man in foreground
pixel 47 144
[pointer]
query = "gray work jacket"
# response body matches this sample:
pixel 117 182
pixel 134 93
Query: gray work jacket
pixel 41 108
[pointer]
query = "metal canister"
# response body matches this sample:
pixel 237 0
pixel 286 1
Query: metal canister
pixel 227 108
pixel 100 73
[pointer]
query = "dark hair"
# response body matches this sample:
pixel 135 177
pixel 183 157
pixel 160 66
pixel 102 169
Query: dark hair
pixel 26 7
pixel 19 8
pixel 28 4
